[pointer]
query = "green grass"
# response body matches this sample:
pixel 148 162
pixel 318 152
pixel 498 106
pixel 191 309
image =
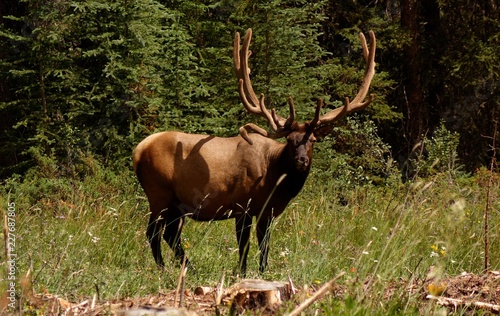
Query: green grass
pixel 85 236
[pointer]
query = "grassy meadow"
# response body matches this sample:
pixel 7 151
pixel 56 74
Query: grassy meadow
pixel 87 236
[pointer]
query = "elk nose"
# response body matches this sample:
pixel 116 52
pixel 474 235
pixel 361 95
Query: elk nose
pixel 304 161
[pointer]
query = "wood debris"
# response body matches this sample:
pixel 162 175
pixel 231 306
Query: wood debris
pixel 470 291
pixel 456 303
pixel 465 291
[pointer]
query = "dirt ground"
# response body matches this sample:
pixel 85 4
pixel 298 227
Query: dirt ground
pixel 467 291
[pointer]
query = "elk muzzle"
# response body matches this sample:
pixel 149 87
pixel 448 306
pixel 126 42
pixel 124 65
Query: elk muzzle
pixel 302 146
pixel 302 162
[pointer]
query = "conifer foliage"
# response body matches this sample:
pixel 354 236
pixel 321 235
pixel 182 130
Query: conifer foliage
pixel 93 78
pixel 86 79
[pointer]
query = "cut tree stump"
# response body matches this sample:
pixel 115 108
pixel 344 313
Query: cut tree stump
pixel 257 294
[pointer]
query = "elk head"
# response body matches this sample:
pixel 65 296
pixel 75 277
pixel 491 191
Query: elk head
pixel 300 136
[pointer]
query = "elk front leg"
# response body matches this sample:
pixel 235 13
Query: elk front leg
pixel 243 226
pixel 263 235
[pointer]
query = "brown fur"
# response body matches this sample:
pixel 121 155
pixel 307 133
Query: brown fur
pixel 213 178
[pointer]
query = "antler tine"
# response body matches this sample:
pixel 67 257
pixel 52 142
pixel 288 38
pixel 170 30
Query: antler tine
pixel 364 46
pixel 291 118
pixel 236 54
pixel 283 127
pixel 271 119
pixel 281 122
pixel 359 101
pixel 317 113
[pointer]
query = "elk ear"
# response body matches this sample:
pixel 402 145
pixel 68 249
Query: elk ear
pixel 323 131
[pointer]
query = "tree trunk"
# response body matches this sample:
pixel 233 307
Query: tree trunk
pixel 415 110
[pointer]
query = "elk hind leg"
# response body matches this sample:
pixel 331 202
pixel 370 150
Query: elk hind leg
pixel 172 234
pixel 153 233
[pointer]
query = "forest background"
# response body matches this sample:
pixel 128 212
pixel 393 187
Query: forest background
pixel 82 82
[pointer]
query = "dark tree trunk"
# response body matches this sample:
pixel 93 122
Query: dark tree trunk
pixel 433 70
pixel 415 111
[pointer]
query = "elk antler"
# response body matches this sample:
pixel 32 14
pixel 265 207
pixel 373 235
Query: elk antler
pixel 280 126
pixel 359 101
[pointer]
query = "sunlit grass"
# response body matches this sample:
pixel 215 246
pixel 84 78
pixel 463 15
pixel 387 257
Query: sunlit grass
pixel 85 237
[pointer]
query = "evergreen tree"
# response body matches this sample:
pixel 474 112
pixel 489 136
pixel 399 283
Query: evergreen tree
pixel 215 109
pixel 96 77
pixel 36 68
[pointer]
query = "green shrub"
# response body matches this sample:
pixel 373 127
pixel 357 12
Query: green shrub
pixel 354 155
pixel 439 155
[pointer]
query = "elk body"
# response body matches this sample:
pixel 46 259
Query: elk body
pixel 244 177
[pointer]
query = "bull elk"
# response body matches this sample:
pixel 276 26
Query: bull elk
pixel 251 175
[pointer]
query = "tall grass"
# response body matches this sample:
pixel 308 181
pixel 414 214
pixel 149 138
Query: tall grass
pixel 81 237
